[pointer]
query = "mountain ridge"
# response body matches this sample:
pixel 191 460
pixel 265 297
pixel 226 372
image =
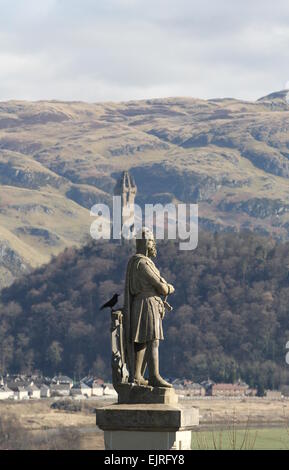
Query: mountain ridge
pixel 57 159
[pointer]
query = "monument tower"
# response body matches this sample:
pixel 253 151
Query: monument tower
pixel 126 189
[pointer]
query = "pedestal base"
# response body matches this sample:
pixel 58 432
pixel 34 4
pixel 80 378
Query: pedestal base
pixel 131 393
pixel 147 427
pixel 146 440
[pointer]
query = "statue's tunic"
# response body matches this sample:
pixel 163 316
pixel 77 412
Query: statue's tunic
pixel 145 285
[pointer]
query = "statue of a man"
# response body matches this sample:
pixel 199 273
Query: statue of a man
pixel 143 312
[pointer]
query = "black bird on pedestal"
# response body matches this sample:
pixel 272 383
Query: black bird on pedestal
pixel 111 303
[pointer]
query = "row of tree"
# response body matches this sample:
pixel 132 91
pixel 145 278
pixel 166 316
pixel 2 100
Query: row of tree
pixel 230 317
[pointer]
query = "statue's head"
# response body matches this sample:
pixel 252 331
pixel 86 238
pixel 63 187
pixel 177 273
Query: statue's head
pixel 145 243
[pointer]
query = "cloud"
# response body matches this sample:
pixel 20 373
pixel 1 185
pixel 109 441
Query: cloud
pixel 132 49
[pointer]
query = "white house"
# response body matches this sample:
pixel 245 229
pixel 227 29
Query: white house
pixel 95 384
pixel 6 393
pixel 44 391
pixel 21 393
pixel 33 392
pixel 59 390
pixel 81 389
pixel 86 390
pixel 108 390
pixel 97 390
pixel 62 380
pixel 19 389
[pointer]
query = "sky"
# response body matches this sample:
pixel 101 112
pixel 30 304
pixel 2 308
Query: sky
pixel 120 50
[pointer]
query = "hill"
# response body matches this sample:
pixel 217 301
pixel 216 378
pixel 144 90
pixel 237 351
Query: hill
pixel 57 159
pixel 230 315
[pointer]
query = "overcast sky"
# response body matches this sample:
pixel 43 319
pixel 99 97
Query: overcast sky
pixel 99 50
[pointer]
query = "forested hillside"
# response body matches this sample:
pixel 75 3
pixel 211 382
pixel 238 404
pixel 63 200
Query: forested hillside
pixel 230 318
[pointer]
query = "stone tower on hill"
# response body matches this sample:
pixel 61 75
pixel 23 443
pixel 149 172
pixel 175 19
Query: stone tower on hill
pixel 126 189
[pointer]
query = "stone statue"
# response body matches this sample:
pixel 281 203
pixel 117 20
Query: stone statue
pixel 141 419
pixel 143 313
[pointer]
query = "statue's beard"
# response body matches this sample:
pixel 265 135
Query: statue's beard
pixel 152 252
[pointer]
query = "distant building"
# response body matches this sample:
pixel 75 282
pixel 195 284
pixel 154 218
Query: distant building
pixel 19 388
pixel 273 394
pixel 188 387
pixel 208 384
pixel 6 393
pixel 45 391
pixel 81 389
pixel 97 391
pixel 59 390
pixel 21 393
pixel 62 380
pixel 33 392
pixel 231 390
pixel 178 384
pixel 195 390
pixel 108 390
pixel 251 392
pixel 40 380
pixel 96 388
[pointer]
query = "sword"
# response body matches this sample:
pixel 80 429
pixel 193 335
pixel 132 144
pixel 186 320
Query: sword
pixel 120 317
pixel 167 305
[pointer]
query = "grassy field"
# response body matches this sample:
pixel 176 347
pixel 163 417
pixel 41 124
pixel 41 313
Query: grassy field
pixel 35 425
pixel 246 439
pixel 260 412
pixel 224 424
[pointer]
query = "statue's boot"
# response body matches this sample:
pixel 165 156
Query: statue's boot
pixel 158 381
pixel 140 350
pixel 155 379
pixel 140 381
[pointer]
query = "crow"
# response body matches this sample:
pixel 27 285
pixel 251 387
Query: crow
pixel 111 303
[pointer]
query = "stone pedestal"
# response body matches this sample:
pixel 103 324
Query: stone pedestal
pixel 144 394
pixel 147 426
